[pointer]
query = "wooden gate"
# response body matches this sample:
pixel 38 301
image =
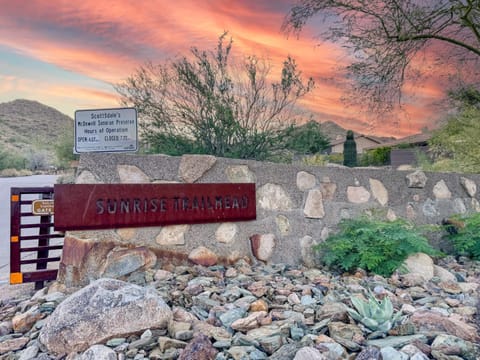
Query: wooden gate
pixel 34 247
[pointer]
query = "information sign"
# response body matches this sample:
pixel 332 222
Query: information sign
pixel 110 206
pixel 42 207
pixel 106 130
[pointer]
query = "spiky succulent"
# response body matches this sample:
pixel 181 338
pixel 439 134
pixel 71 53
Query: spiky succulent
pixel 377 315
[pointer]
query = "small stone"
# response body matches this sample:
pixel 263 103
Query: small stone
pixel 172 235
pixel 396 341
pixel 273 197
pixel 240 174
pixel 296 333
pixel 259 305
pixel 378 191
pixel 166 343
pixel 469 186
pixel 86 177
pixel 370 353
pixel 262 246
pixel 271 344
pixel 340 330
pixel 412 280
pixel 283 224
pixel 203 256
pixel 443 274
pixel 357 194
pixel 5 327
pixel 126 234
pixel 305 180
pixel 450 287
pixel 391 216
pixel 231 273
pixel 468 287
pixel 426 320
pixel 314 205
pixel 122 261
pixel 200 348
pixel 309 353
pixel 161 275
pixel 115 342
pixel 184 335
pixel 13 344
pixel 239 352
pixel 130 174
pixel 408 309
pixel 441 191
pixel 336 351
pixel 452 345
pixel 29 353
pixel 192 167
pixel 23 322
pixel 293 298
pixel 420 263
pixel 417 179
pixel 226 233
pixel 390 353
pixel 231 316
pixel 99 352
pixel 332 311
pixel 248 323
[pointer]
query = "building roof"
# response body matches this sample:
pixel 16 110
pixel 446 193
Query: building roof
pixel 371 138
pixel 417 139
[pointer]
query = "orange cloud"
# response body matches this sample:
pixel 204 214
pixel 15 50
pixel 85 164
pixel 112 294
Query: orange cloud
pixel 107 40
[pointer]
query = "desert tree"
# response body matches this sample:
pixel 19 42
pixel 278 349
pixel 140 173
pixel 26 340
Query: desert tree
pixel 209 104
pixel 387 37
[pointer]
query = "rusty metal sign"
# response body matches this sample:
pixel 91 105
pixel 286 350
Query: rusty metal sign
pixel 42 207
pixel 109 206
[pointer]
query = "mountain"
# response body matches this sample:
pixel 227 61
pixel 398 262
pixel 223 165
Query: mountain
pixel 333 131
pixel 27 126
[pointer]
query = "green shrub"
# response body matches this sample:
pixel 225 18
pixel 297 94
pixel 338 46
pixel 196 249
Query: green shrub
pixel 465 236
pixel 335 158
pixel 11 160
pixel 372 244
pixel 376 157
pixel 316 160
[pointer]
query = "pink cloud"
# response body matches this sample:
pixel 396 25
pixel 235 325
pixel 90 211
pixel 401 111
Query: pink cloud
pixel 108 40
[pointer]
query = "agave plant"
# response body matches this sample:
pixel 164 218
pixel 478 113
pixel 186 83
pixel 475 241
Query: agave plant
pixel 377 315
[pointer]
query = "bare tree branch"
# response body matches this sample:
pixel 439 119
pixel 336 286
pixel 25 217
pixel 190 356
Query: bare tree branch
pixel 384 36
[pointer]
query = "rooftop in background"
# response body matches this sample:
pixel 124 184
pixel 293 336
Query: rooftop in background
pixel 417 139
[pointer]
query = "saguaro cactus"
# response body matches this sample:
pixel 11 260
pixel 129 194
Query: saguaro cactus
pixel 350 150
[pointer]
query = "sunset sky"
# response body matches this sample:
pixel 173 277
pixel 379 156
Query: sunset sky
pixel 67 54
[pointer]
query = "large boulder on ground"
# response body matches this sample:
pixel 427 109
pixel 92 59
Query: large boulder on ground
pixel 105 309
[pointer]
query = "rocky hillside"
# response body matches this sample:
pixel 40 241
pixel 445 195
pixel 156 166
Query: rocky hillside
pixel 27 125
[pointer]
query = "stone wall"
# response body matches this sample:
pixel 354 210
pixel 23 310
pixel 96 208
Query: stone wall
pixel 297 206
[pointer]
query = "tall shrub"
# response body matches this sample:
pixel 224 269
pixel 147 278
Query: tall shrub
pixel 350 150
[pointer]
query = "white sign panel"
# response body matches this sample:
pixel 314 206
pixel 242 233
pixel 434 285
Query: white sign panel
pixel 106 130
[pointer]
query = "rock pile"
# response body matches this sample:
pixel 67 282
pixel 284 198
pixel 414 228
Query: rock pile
pixel 248 312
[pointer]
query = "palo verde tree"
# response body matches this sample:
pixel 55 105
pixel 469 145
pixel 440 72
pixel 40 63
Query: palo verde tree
pixel 385 36
pixel 454 145
pixel 307 139
pixel 207 104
